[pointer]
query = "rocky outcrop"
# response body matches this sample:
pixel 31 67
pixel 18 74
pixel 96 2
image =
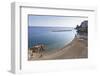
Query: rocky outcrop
pixel 38 48
pixel 82 29
pixel 36 51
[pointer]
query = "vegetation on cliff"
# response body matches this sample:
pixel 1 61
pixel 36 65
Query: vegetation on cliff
pixel 82 29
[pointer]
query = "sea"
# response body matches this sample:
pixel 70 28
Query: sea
pixel 52 37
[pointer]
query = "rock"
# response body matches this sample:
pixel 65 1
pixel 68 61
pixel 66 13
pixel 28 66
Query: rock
pixel 82 30
pixel 36 51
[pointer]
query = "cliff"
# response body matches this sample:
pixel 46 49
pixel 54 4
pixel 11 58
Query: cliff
pixel 82 29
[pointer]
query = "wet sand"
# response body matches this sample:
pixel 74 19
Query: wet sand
pixel 76 49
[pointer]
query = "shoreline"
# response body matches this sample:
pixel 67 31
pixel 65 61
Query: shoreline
pixel 76 49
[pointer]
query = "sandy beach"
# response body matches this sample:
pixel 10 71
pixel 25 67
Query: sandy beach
pixel 76 49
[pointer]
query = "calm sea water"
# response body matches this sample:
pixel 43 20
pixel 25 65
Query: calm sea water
pixel 50 36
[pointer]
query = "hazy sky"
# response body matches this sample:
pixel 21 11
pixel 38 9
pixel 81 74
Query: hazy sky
pixel 55 21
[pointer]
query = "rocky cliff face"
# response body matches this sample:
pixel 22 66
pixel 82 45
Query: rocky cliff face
pixel 83 28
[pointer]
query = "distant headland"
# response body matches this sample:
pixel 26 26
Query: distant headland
pixel 61 30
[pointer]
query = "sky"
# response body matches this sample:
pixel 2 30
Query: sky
pixel 54 21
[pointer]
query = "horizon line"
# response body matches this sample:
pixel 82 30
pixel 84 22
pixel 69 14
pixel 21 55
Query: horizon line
pixel 46 26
